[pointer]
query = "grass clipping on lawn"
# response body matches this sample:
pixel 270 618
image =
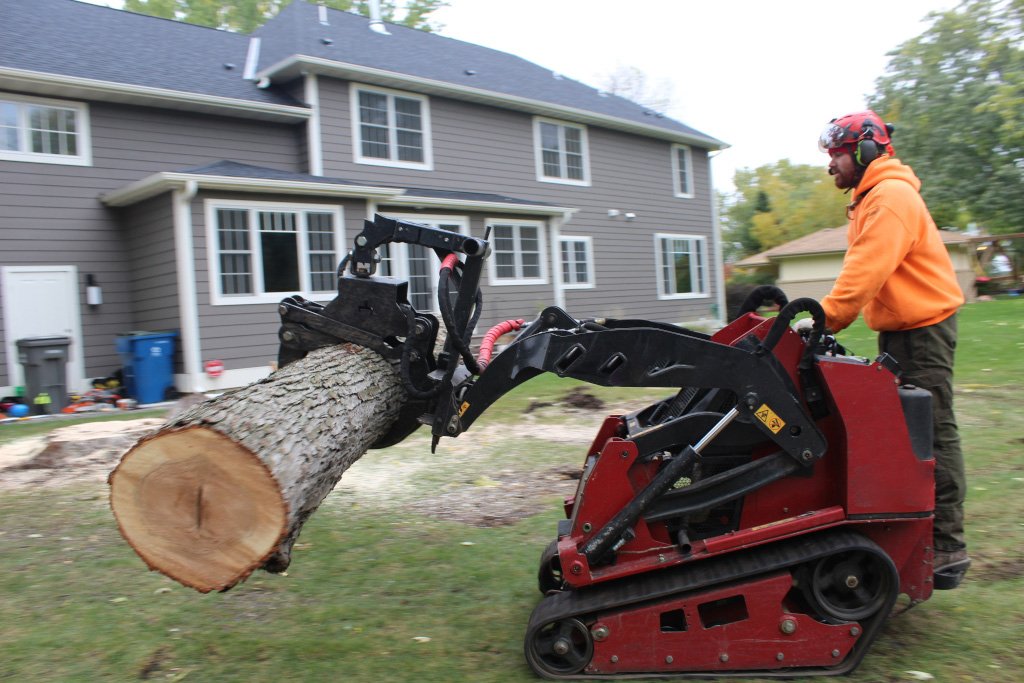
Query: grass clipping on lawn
pixel 225 488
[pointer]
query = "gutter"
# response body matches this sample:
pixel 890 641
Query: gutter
pixel 72 86
pixel 158 183
pixel 475 205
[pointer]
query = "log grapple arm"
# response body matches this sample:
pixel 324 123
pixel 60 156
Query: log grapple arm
pixel 451 389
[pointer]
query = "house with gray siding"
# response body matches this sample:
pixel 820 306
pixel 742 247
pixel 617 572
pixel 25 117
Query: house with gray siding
pixel 197 176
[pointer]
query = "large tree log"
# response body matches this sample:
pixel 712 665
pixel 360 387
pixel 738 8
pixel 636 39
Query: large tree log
pixel 225 488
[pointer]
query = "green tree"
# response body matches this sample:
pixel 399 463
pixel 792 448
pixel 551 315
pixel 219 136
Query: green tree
pixel 246 15
pixel 777 203
pixel 956 96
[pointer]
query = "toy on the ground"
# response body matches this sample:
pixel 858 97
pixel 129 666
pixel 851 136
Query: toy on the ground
pixel 18 410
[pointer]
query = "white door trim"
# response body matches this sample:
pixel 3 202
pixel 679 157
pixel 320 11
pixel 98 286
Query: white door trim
pixel 76 352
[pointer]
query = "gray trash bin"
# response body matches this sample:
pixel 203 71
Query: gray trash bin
pixel 44 360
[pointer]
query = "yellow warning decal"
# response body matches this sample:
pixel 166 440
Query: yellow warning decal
pixel 769 418
pixel 463 408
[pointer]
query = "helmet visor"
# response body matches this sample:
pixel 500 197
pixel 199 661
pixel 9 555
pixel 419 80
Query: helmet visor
pixel 832 137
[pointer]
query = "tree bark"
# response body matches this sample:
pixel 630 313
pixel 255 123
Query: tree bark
pixel 225 488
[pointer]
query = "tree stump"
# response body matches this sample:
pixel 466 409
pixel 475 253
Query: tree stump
pixel 225 488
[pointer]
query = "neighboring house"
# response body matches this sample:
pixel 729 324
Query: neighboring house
pixel 809 265
pixel 198 176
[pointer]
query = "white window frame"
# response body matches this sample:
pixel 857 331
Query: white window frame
pixel 259 296
pixel 677 185
pixel 357 139
pixel 82 130
pixel 703 274
pixel 588 246
pixel 538 152
pixel 399 251
pixel 492 275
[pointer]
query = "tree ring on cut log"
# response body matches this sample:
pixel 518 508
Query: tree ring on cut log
pixel 206 504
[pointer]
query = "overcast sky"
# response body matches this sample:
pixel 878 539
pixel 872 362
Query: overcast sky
pixel 763 76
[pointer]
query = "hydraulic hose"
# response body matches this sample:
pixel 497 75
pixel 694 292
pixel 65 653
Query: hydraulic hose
pixel 487 345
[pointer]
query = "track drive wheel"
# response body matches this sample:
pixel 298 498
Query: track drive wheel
pixel 549 576
pixel 560 648
pixel 849 586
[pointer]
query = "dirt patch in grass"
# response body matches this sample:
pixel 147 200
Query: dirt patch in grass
pixel 476 495
pixel 81 453
pixel 505 498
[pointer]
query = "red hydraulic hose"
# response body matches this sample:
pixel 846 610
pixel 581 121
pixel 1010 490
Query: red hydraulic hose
pixel 487 345
pixel 449 261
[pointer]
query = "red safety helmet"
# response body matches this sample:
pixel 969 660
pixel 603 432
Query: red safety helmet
pixel 863 133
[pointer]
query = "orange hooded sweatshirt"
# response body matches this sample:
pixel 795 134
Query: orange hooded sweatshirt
pixel 896 267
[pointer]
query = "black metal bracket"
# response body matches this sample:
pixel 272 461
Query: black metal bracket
pixel 642 354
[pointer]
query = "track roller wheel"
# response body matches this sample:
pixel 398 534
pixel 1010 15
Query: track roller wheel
pixel 849 586
pixel 560 648
pixel 549 576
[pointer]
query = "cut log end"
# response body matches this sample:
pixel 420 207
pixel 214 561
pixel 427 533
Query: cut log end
pixel 198 507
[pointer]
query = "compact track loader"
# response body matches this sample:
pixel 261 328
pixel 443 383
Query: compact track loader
pixel 762 520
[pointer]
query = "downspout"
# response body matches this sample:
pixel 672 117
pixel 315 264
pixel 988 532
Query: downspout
pixel 716 234
pixel 314 144
pixel 188 307
pixel 556 260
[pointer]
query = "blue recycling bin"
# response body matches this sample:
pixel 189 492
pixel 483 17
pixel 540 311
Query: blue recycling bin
pixel 147 362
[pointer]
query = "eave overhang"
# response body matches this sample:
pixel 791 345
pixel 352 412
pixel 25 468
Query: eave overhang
pixel 159 183
pixel 299 65
pixel 73 87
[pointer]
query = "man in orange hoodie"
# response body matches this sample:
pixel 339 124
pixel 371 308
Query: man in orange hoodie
pixel 898 272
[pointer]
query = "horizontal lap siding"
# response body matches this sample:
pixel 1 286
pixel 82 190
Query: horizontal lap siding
pixel 52 214
pixel 245 335
pixel 152 270
pixel 483 149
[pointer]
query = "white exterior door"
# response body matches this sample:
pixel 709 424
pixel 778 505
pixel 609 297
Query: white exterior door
pixel 42 301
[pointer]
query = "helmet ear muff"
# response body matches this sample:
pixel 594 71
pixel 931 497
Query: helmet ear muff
pixel 867 149
pixel 866 152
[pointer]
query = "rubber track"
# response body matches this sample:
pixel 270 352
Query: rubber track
pixel 715 572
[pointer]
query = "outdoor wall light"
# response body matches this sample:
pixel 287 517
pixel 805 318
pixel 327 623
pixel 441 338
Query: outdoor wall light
pixel 93 292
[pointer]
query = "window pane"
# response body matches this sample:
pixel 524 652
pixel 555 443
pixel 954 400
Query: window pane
pixel 504 265
pixel 419 277
pixel 573 140
pixel 552 164
pixel 373 117
pixel 277 221
pixel 320 241
pixel 531 265
pixel 551 154
pixel 373 108
pixel 232 230
pixel 236 260
pixel 410 146
pixel 684 171
pixel 280 261
pixel 384 267
pixel 52 130
pixel 407 114
pixel 8 126
pixel 684 283
pixel 574 166
pixel 667 277
pixel 375 142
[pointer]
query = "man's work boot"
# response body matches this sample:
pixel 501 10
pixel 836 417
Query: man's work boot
pixel 950 567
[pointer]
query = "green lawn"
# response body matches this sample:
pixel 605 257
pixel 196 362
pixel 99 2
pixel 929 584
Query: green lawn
pixel 379 591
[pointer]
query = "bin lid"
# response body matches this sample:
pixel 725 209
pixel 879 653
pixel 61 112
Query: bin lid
pixel 43 341
pixel 140 334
